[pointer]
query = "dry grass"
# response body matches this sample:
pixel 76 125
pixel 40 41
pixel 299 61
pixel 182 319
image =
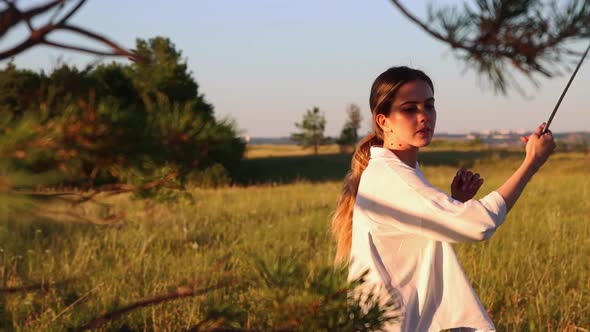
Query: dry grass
pixel 533 275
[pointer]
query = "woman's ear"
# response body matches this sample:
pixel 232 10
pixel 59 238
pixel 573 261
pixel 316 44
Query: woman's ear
pixel 382 122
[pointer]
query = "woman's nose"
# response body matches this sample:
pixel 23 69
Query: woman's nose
pixel 423 116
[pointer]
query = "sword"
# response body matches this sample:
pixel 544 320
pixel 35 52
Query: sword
pixel 565 91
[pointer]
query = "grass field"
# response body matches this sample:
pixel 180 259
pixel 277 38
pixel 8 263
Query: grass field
pixel 56 274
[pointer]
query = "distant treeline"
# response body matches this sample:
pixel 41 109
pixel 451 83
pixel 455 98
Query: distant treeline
pixel 113 122
pixel 567 141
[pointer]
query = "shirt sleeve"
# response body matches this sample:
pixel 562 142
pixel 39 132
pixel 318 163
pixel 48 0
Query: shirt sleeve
pixel 399 200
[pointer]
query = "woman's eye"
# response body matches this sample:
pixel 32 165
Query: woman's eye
pixel 410 109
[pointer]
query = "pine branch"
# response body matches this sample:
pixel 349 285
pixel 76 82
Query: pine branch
pixel 527 36
pixel 181 292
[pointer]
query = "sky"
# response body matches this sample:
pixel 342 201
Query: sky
pixel 264 63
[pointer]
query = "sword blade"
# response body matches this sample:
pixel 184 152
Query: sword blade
pixel 565 90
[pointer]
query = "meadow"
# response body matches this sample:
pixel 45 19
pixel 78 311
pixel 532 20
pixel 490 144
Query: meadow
pixel 245 256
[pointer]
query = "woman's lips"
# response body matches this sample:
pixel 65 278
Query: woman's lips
pixel 424 131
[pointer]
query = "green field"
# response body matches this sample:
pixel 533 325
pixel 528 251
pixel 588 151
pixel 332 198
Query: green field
pixel 61 273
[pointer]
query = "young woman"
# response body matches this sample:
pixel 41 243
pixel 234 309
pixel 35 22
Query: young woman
pixel 391 222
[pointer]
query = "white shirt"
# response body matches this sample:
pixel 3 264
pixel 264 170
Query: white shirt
pixel 402 230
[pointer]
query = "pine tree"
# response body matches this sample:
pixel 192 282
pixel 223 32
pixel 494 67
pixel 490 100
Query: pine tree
pixel 349 134
pixel 311 130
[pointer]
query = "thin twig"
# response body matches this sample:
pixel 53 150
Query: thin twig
pixel 78 48
pixel 72 11
pixel 56 13
pixel 81 298
pixel 117 50
pixel 182 292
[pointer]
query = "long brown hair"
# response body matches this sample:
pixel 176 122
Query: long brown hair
pixel 383 92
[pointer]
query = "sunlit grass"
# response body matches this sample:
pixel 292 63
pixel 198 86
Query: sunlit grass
pixel 272 150
pixel 532 275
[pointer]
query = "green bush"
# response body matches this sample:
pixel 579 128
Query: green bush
pixel 212 177
pixel 114 123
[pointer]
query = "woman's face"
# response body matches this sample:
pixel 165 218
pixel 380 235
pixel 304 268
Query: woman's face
pixel 412 117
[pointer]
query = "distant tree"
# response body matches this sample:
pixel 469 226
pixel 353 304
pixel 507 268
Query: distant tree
pixel 533 37
pixel 349 134
pixel 477 141
pixel 561 145
pixel 311 130
pixel 581 146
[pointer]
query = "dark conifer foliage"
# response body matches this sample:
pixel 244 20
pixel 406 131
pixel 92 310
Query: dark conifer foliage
pixel 499 37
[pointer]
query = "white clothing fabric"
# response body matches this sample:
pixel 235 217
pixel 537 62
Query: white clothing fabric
pixel 402 233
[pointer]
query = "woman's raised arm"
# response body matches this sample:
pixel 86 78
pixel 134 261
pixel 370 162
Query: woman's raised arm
pixel 538 148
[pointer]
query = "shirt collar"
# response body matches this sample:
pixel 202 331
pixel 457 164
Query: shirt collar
pixel 381 152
